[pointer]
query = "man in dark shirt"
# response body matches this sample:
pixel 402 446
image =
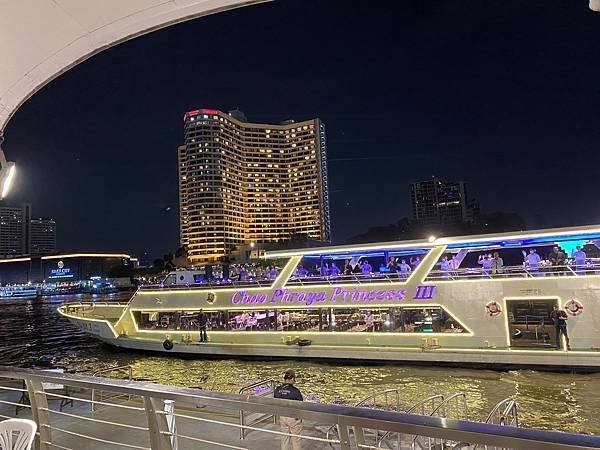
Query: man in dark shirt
pixel 290 425
pixel 202 321
pixel 559 317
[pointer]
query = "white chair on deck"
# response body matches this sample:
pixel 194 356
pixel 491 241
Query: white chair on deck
pixel 17 434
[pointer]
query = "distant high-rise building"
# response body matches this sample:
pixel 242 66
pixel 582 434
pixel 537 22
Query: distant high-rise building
pixel 43 236
pixel 14 230
pixel 435 202
pixel 242 183
pixel 21 235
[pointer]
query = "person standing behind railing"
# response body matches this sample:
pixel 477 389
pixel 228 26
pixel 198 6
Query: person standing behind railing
pixel 404 269
pixel 497 264
pixel 557 257
pixel 289 425
pixel 580 260
pixel 532 261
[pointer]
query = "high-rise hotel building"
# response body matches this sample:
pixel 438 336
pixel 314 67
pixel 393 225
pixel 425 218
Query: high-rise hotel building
pixel 242 183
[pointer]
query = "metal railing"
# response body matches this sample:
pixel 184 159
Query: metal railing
pixel 206 420
pixel 264 388
pixel 423 407
pixel 520 271
pixel 99 395
pixel 388 400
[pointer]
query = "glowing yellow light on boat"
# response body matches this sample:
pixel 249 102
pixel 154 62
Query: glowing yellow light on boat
pixel 432 239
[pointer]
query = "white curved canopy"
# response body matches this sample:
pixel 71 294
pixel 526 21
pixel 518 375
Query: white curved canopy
pixel 40 39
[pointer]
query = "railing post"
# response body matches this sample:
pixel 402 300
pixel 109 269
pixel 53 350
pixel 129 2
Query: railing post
pixel 39 411
pixel 344 435
pixel 158 428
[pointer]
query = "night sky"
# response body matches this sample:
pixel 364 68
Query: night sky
pixel 502 94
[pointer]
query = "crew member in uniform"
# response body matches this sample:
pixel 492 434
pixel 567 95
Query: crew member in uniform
pixel 290 425
pixel 559 317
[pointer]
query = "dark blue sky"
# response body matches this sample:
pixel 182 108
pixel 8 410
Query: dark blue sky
pixel 504 94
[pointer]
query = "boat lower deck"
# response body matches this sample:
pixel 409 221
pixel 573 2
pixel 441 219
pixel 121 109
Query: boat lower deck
pixel 547 359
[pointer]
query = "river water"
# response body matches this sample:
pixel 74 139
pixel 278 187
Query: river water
pixel 33 334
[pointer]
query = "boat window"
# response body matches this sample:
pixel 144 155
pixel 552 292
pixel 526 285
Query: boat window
pixel 516 261
pixel 390 265
pixel 391 320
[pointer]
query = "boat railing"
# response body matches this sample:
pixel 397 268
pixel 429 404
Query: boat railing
pixel 423 407
pixel 204 419
pixel 453 407
pixel 512 272
pixel 100 396
pixel 264 388
pixel 387 400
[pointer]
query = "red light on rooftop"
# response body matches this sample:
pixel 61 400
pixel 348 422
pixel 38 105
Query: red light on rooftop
pixel 195 112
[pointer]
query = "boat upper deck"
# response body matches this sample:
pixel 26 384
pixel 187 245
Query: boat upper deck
pixel 571 251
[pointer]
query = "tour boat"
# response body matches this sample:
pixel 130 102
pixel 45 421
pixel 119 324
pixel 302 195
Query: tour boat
pixel 446 300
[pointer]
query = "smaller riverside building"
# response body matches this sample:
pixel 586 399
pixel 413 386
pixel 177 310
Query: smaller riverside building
pixel 68 268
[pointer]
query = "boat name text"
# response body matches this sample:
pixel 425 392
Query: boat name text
pixel 337 295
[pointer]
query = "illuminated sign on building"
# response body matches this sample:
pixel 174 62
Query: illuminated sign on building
pixel 61 272
pixel 337 295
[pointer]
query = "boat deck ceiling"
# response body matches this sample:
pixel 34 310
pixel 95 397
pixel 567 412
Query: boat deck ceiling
pixel 497 240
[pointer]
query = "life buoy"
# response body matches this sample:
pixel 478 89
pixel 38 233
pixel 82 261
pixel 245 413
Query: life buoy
pixel 573 307
pixel 168 344
pixel 493 308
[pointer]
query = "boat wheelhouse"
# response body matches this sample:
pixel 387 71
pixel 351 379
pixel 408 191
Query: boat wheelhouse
pixel 484 300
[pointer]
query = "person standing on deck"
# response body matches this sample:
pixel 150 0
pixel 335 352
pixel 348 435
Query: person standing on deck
pixel 580 259
pixel 290 425
pixel 557 257
pixel 497 264
pixel 486 264
pixel 532 261
pixel 404 269
pixel 202 321
pixel 559 317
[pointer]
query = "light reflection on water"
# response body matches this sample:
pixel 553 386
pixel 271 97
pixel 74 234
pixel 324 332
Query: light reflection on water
pixel 32 334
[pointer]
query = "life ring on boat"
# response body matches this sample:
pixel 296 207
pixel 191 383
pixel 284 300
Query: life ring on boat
pixel 573 307
pixel 304 342
pixel 493 308
pixel 168 344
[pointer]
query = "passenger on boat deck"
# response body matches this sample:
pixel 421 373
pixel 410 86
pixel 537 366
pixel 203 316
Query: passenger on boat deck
pixel 454 263
pixel 243 274
pixel 532 260
pixel 486 263
pixel 366 268
pixel 444 266
pixel 580 259
pixel 404 269
pixel 302 272
pixel 558 260
pixel 497 264
pixel 325 270
pixel 392 264
pixel 347 267
pixel 272 272
pixel 334 270
pixel 415 262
